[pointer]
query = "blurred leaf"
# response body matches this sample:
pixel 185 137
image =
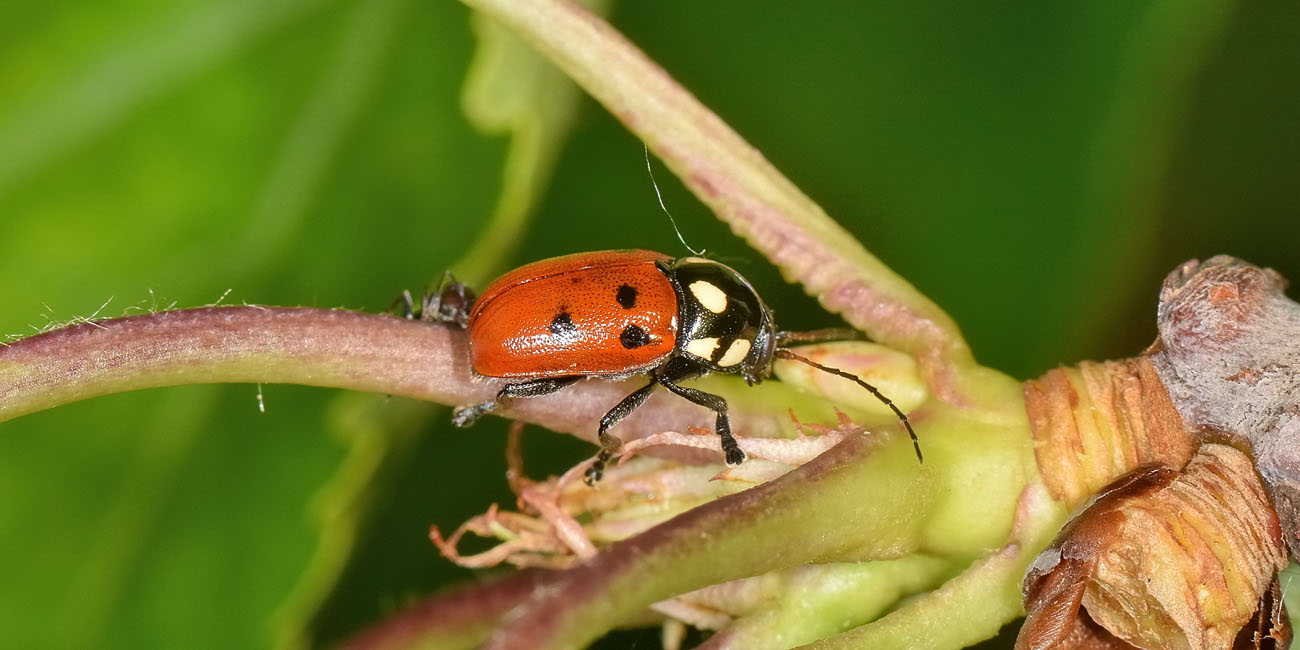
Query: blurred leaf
pixel 512 91
pixel 290 153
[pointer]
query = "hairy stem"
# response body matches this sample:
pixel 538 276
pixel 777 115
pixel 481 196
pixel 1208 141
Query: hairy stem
pixel 314 347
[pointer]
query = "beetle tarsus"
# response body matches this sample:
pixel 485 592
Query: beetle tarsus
pixel 730 447
pixel 597 469
pixel 735 456
pixel 608 446
pixel 466 416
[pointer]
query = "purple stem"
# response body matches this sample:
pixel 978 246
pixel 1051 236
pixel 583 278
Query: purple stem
pixel 463 617
pixel 315 347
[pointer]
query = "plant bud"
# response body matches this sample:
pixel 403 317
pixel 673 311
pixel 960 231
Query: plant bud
pixel 892 372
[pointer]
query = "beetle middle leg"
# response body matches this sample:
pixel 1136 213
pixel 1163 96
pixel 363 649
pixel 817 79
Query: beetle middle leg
pixel 609 444
pixel 467 415
pixel 681 369
pixel 675 370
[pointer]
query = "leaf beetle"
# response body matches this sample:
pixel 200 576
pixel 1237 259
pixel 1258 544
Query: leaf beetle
pixel 613 314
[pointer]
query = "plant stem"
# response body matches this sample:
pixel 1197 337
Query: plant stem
pixel 734 179
pixel 314 347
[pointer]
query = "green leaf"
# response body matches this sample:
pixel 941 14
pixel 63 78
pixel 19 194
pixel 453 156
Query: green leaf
pixel 298 152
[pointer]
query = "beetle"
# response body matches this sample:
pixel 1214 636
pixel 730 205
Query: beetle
pixel 614 314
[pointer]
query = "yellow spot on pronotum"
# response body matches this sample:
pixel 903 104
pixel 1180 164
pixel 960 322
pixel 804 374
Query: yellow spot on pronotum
pixel 710 296
pixel 735 354
pixel 702 348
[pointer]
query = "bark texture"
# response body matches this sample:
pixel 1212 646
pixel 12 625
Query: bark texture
pixel 1229 354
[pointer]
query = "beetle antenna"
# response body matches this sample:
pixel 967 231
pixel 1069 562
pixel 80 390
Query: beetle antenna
pixel 819 336
pixel 648 168
pixel 782 353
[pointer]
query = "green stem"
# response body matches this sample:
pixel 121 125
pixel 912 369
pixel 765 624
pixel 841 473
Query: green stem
pixel 818 601
pixel 965 610
pixel 814 514
pixel 975 604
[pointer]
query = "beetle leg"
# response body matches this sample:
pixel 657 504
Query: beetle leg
pixel 609 444
pixel 449 303
pixel 730 448
pixel 467 415
pixel 404 306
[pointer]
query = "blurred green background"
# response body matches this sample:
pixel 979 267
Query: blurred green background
pixel 1036 168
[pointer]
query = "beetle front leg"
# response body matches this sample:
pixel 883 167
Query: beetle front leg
pixel 468 415
pixel 609 444
pixel 730 448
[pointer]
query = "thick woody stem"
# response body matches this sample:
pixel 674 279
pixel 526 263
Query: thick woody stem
pixel 460 619
pixel 1229 352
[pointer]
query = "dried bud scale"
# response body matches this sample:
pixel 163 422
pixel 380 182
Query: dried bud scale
pixel 1096 421
pixel 1161 559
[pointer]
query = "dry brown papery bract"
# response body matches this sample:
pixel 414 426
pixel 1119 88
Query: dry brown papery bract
pixel 1161 559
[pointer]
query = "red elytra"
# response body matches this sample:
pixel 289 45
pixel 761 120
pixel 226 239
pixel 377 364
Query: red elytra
pixel 615 313
pixel 567 316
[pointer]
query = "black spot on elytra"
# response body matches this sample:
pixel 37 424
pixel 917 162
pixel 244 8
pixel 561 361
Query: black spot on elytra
pixel 626 296
pixel 575 280
pixel 562 323
pixel 633 337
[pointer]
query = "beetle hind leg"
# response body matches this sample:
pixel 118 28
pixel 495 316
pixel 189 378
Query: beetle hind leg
pixel 468 415
pixel 404 305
